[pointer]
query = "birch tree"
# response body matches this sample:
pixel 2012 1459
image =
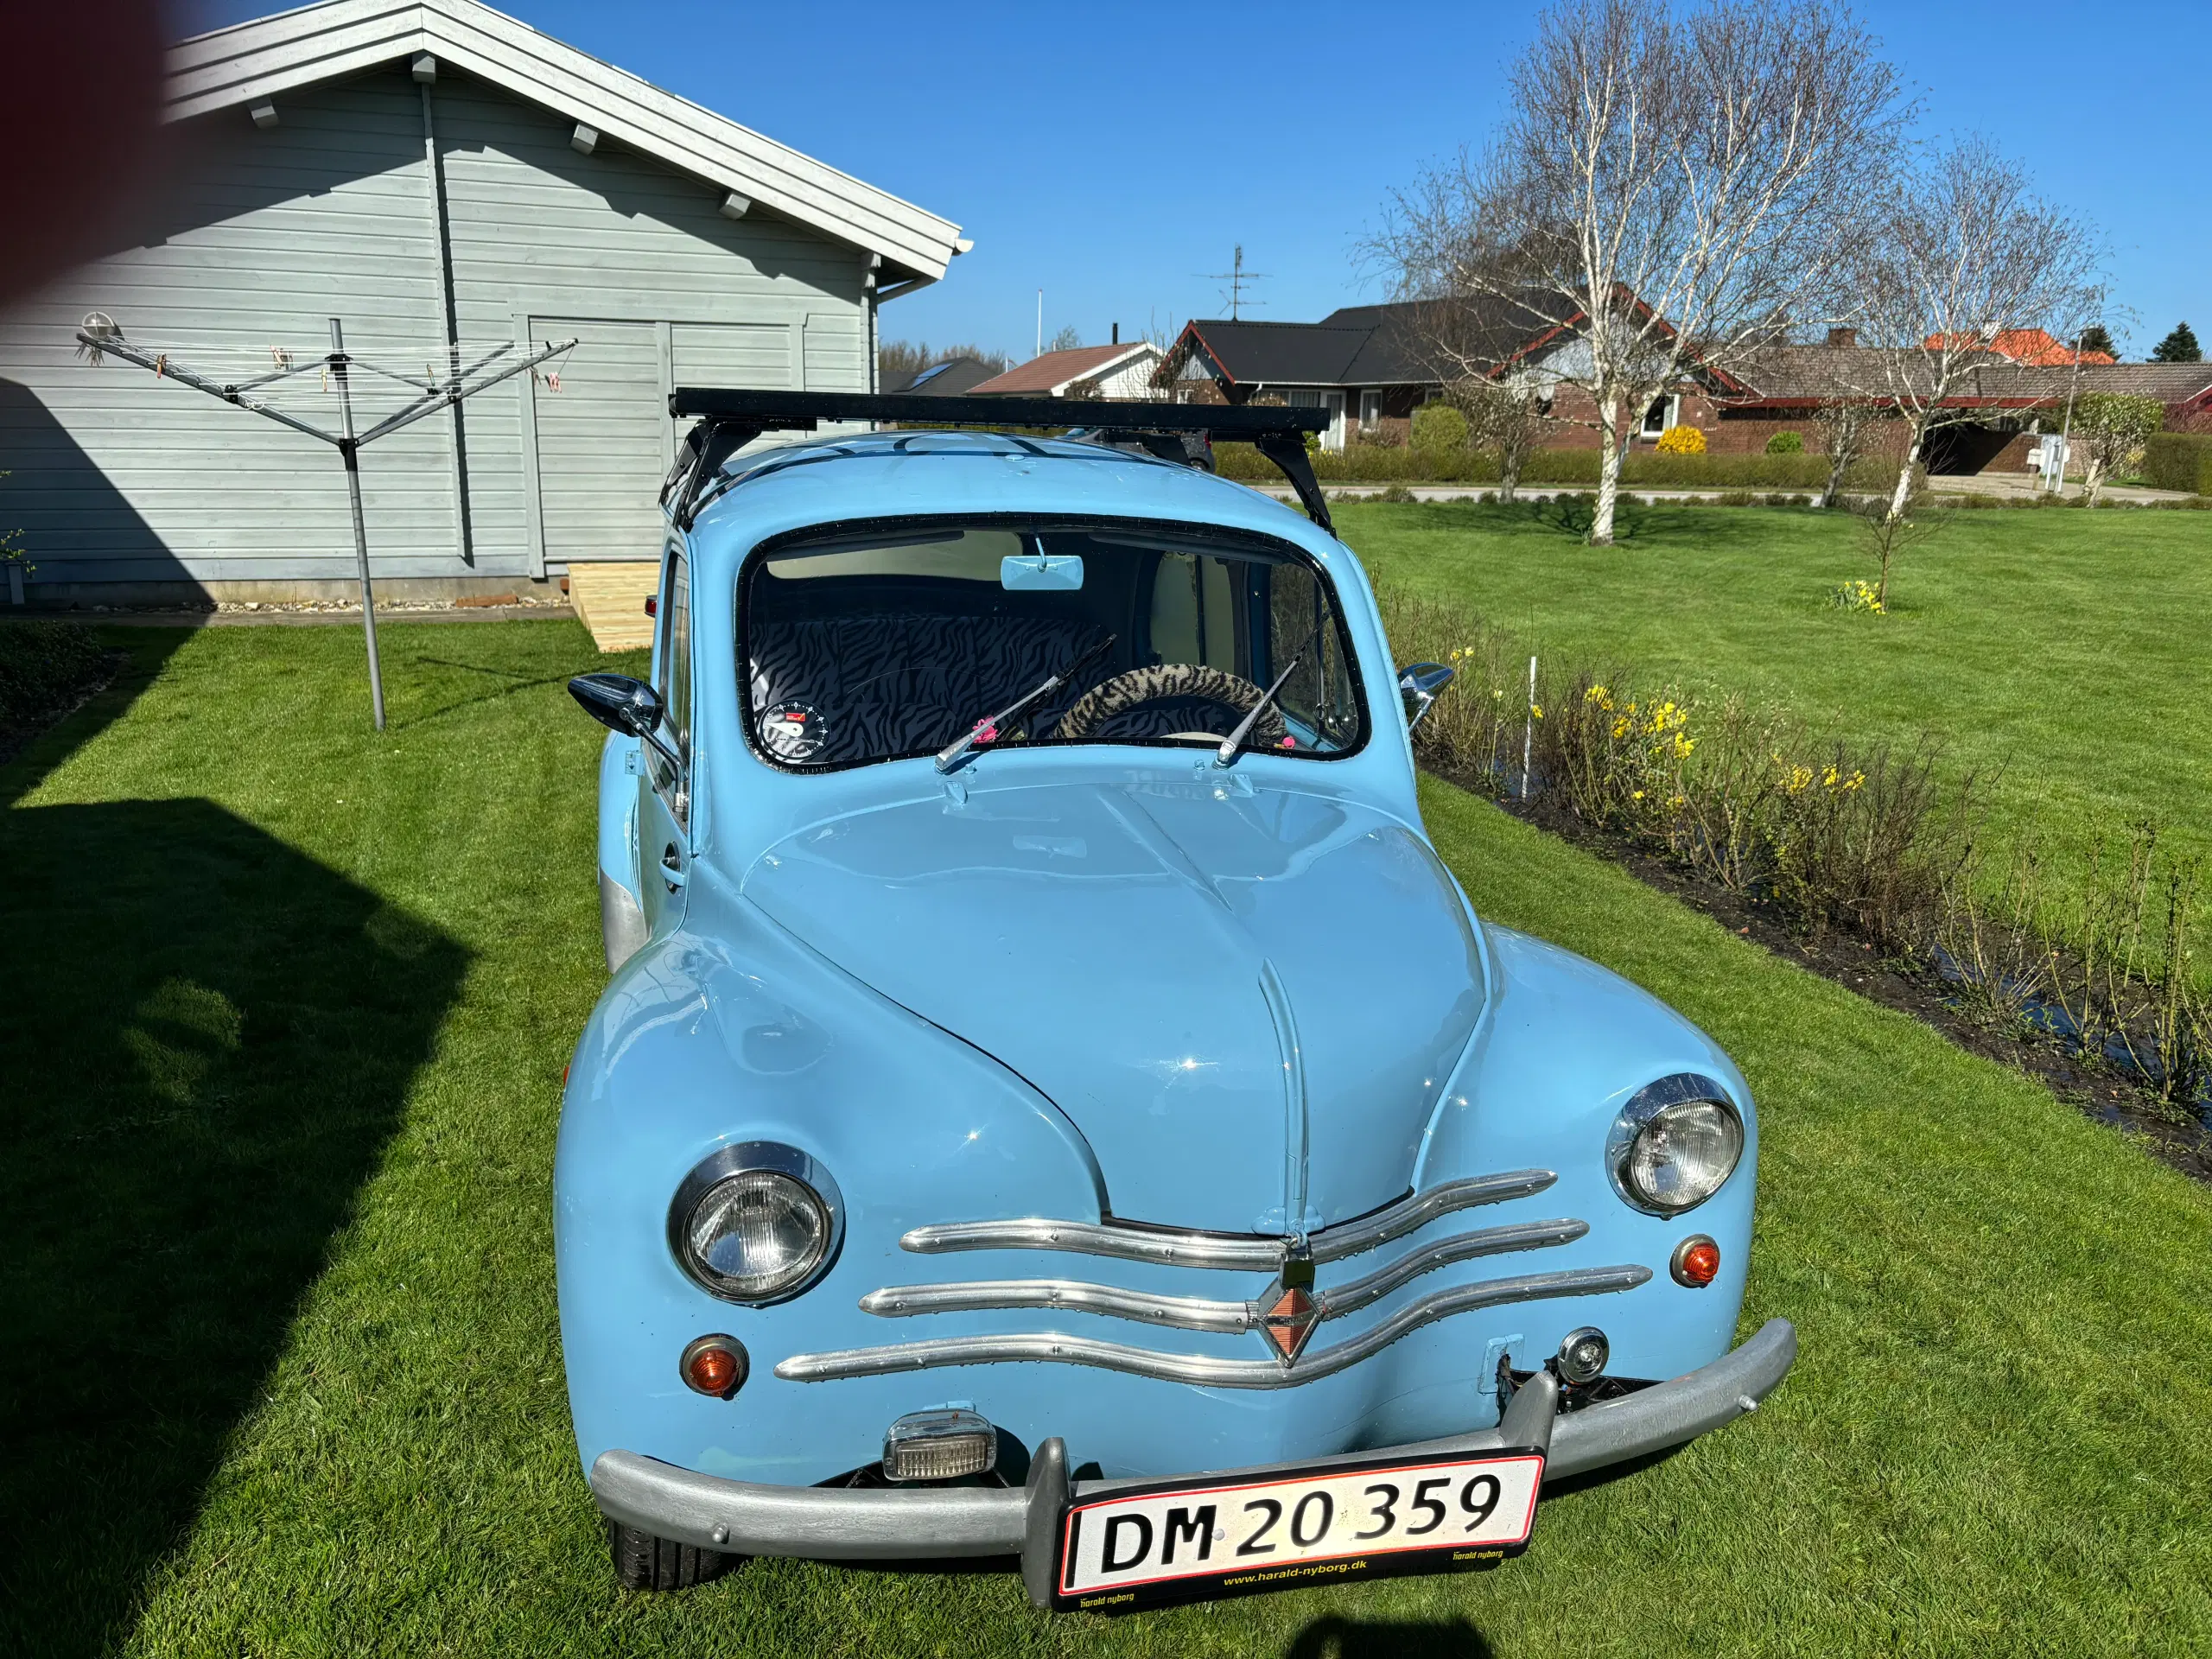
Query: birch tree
pixel 1962 251
pixel 1668 189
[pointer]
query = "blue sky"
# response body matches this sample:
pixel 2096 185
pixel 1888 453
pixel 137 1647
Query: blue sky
pixel 1112 153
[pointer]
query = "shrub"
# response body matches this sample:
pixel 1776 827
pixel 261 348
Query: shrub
pixel 2178 460
pixel 1785 444
pixel 43 667
pixel 1397 493
pixel 1366 463
pixel 1681 440
pixel 1440 429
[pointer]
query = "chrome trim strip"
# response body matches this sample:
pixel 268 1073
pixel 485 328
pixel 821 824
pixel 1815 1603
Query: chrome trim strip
pixel 1183 1247
pixel 1395 1221
pixel 1184 1312
pixel 1201 1314
pixel 1339 1299
pixel 1178 1249
pixel 1204 1370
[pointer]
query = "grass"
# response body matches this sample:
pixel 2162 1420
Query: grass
pixel 2059 655
pixel 283 1376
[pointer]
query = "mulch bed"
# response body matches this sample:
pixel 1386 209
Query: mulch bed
pixel 2102 1091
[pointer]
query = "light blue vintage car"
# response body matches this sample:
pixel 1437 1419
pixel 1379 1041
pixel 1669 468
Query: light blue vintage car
pixel 1050 1100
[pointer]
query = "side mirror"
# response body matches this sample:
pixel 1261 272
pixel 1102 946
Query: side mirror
pixel 618 702
pixel 1420 684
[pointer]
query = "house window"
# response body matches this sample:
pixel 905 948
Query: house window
pixel 1370 410
pixel 1663 414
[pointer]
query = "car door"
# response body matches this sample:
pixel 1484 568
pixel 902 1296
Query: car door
pixel 664 797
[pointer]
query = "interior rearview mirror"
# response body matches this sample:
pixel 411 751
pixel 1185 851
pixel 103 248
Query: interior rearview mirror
pixel 1041 573
pixel 1420 684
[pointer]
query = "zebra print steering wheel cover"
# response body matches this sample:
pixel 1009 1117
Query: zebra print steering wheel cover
pixel 1163 680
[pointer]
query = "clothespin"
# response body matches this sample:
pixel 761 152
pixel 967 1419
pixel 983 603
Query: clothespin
pixel 160 364
pixel 553 381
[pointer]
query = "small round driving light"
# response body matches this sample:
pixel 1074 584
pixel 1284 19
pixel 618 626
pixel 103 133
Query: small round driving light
pixel 1583 1355
pixel 1674 1144
pixel 1696 1263
pixel 756 1223
pixel 714 1365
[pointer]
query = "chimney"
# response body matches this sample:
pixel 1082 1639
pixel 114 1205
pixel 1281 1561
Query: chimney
pixel 1843 339
pixel 1117 334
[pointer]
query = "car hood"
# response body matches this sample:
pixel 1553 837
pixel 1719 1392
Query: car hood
pixel 1248 1000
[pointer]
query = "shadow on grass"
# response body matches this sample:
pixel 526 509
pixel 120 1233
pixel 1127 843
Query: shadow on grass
pixel 208 1041
pixel 1337 1637
pixel 144 652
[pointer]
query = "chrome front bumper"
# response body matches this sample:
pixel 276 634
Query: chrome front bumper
pixel 843 1524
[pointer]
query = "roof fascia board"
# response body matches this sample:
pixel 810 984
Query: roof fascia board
pixel 278 55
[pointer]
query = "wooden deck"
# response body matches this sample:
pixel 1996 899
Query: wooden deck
pixel 611 601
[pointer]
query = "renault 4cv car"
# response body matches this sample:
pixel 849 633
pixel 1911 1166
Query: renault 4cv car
pixel 1052 1101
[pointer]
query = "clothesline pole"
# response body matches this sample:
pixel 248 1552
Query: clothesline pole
pixel 349 450
pixel 99 334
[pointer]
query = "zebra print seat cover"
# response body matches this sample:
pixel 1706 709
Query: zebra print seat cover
pixel 872 686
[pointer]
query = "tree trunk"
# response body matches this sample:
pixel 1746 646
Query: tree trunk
pixel 1838 462
pixel 1508 472
pixel 1903 493
pixel 1608 474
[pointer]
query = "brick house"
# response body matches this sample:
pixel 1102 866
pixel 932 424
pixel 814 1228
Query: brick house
pixel 1371 366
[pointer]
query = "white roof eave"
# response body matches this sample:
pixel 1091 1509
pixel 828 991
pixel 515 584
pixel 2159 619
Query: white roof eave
pixel 273 55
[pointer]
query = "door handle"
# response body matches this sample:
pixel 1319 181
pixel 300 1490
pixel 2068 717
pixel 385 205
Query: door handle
pixel 671 866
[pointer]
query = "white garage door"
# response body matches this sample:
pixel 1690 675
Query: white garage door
pixel 605 440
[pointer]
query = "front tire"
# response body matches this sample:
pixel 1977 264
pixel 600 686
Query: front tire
pixel 646 1562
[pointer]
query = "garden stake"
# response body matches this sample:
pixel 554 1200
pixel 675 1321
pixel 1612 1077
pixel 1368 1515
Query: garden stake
pixel 1529 730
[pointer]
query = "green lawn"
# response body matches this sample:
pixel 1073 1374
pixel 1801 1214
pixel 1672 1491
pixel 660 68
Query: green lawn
pixel 2061 655
pixel 289 1010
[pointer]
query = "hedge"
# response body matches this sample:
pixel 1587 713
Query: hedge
pixel 2178 460
pixel 1361 463
pixel 44 666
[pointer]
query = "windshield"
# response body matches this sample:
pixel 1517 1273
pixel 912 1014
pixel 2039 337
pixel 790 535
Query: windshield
pixel 874 648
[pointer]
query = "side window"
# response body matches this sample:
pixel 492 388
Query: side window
pixel 1301 624
pixel 675 686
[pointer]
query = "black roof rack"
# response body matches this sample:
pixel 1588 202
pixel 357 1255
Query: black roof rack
pixel 729 418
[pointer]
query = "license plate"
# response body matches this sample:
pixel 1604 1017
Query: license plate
pixel 1196 1540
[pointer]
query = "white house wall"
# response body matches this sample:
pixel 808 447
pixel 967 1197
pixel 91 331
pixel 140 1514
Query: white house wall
pixel 267 233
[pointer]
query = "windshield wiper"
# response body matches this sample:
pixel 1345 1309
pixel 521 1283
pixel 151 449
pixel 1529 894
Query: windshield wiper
pixel 1235 741
pixel 987 729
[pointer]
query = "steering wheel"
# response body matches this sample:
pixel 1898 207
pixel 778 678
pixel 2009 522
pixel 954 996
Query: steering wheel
pixel 1169 683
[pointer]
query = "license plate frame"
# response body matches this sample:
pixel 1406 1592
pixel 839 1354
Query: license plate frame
pixel 1087 1542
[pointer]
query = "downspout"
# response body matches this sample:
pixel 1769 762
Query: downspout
pixel 425 72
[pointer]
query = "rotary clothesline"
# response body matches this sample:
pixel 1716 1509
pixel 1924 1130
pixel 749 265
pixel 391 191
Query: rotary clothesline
pixel 100 336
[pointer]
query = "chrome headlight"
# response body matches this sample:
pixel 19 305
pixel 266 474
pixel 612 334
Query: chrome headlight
pixel 1674 1144
pixel 756 1223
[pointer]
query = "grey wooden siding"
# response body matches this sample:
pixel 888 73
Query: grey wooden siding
pixel 569 242
pixel 265 234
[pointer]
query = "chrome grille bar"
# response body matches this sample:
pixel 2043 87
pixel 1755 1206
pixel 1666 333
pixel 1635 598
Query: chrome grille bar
pixel 1396 1220
pixel 1201 1313
pixel 1184 1312
pixel 1339 1299
pixel 1201 1369
pixel 1190 1249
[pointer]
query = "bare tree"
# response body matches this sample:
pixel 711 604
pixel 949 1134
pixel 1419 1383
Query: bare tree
pixel 1501 418
pixel 1848 424
pixel 1964 252
pixel 1668 189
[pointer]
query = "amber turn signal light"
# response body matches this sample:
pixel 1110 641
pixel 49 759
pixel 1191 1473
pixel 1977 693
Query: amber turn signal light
pixel 1697 1261
pixel 714 1365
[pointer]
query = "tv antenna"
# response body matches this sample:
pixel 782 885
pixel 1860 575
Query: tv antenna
pixel 1238 279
